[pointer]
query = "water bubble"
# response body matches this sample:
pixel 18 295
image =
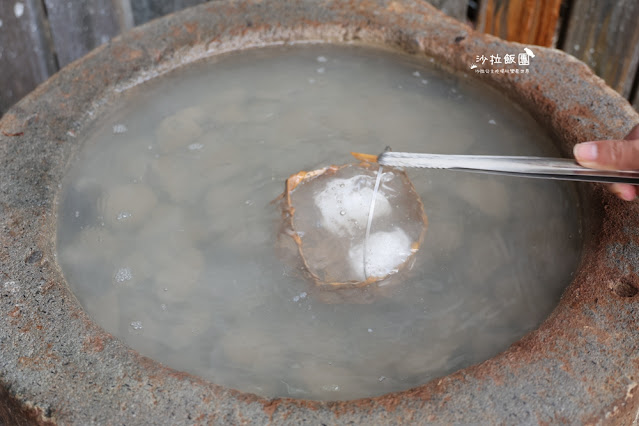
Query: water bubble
pixel 119 129
pixel 124 215
pixel 493 122
pixel 370 330
pixel 0 23
pixel 311 80
pixel 163 307
pixel 296 299
pixel 195 147
pixel 321 70
pixel 424 81
pixel 341 185
pixel 417 74
pixel 18 9
pixel 330 388
pixel 321 59
pixel 381 378
pixel 123 274
pixel 136 325
pixel 77 213
pixel 249 202
pixel 342 212
pixel 303 295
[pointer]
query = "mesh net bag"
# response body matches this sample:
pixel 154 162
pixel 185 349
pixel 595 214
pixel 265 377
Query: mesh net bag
pixel 325 215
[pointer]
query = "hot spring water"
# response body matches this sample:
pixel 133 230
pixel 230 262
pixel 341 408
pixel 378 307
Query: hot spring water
pixel 167 230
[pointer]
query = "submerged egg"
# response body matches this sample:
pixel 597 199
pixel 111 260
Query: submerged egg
pixel 179 129
pixel 128 205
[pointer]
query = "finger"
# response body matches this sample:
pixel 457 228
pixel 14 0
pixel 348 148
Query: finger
pixel 634 133
pixel 624 191
pixel 608 155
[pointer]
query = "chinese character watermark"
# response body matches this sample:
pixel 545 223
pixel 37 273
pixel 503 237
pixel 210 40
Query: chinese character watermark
pixel 505 64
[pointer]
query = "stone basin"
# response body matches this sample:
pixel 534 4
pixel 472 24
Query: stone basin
pixel 579 366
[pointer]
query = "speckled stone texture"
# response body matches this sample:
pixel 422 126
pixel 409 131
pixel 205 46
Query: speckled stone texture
pixel 580 366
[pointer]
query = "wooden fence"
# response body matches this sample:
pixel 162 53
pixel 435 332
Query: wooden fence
pixel 38 37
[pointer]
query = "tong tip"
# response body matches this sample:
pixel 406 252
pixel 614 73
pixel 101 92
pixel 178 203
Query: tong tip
pixel 369 158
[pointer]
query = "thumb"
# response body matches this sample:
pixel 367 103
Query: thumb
pixel 608 155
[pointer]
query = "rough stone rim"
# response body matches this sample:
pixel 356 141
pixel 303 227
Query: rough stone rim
pixel 579 366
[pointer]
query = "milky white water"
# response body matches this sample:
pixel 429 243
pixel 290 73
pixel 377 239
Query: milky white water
pixel 167 235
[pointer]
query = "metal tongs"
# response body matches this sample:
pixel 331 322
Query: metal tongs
pixel 533 167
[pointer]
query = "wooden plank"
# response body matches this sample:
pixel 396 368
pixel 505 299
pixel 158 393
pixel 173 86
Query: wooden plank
pixel 605 35
pixel 79 27
pixel 145 10
pixel 455 8
pixel 523 21
pixel 26 57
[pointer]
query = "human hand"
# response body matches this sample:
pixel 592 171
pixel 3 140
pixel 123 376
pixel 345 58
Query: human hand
pixel 612 155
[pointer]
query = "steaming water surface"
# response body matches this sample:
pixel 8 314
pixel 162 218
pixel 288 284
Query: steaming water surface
pixel 167 233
